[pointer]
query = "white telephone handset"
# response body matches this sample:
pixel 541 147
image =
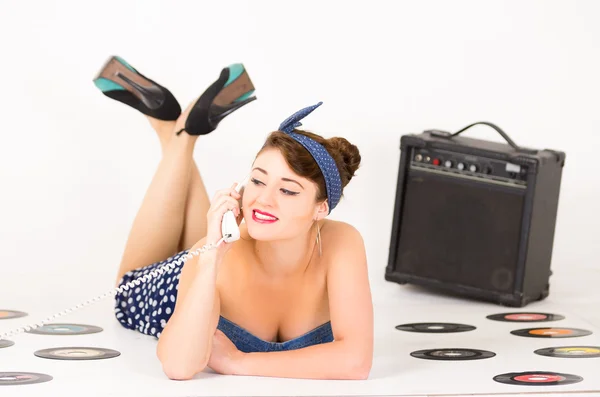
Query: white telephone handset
pixel 229 226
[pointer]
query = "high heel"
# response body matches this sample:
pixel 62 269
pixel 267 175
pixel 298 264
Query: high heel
pixel 120 81
pixel 230 92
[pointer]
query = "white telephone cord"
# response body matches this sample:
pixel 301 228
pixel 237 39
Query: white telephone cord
pixel 114 291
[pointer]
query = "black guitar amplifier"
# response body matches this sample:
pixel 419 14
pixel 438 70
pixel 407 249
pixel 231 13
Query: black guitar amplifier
pixel 475 218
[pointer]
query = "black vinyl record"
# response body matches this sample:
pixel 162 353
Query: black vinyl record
pixel 452 354
pixel 7 314
pixel 6 343
pixel 77 353
pixel 435 328
pixel 22 378
pixel 65 329
pixel 525 317
pixel 537 378
pixel 551 332
pixel 570 351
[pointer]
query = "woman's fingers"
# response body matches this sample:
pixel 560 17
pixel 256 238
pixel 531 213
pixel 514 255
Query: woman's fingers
pixel 225 203
pixel 227 192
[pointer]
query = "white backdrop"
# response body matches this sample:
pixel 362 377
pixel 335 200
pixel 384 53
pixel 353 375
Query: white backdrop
pixel 74 165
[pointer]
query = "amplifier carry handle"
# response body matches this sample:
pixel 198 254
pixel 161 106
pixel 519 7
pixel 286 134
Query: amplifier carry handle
pixel 504 135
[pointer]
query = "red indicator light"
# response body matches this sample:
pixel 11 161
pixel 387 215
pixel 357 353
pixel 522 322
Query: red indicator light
pixel 436 161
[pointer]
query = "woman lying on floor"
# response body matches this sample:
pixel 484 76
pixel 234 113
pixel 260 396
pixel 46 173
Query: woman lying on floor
pixel 291 297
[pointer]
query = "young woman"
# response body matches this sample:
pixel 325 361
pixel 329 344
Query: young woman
pixel 291 297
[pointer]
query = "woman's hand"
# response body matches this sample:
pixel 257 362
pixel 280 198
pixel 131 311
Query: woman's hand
pixel 223 201
pixel 225 358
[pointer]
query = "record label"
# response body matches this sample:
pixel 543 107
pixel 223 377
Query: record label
pixel 551 332
pixel 77 353
pixel 6 343
pixel 65 329
pixel 570 351
pixel 6 314
pixel 537 378
pixel 22 378
pixel 437 328
pixel 525 317
pixel 458 354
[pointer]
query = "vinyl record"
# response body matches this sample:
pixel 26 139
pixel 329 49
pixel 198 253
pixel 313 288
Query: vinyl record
pixel 435 328
pixel 6 314
pixel 452 354
pixel 570 351
pixel 65 329
pixel 537 378
pixel 525 317
pixel 551 332
pixel 77 353
pixel 6 343
pixel 22 378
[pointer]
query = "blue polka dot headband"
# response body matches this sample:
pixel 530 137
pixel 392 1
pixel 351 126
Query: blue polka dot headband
pixel 333 182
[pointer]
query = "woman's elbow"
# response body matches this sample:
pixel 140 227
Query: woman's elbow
pixel 180 372
pixel 361 369
pixel 362 373
pixel 176 370
pixel 175 374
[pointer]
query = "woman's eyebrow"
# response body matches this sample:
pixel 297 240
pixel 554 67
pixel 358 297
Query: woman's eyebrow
pixel 283 179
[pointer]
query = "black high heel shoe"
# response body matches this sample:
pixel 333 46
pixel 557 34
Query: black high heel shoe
pixel 230 92
pixel 120 81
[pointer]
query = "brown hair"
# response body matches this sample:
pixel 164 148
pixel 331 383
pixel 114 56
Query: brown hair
pixel 346 157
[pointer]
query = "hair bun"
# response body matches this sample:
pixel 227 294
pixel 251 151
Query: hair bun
pixel 346 155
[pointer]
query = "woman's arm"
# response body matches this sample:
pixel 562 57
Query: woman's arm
pixel 185 343
pixel 350 355
pixel 334 360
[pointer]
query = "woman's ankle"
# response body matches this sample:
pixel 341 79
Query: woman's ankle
pixel 164 130
pixel 179 142
pixel 161 127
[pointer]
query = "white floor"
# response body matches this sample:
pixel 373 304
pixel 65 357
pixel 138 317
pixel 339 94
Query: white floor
pixel 137 372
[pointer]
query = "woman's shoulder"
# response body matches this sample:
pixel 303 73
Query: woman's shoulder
pixel 334 226
pixel 344 251
pixel 339 234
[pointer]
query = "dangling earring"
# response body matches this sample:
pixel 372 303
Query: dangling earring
pixel 319 237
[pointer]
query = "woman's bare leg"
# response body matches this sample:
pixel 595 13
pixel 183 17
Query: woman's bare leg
pixel 197 205
pixel 197 200
pixel 176 192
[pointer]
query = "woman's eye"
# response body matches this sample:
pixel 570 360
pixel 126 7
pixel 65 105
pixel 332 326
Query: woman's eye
pixel 284 191
pixel 289 192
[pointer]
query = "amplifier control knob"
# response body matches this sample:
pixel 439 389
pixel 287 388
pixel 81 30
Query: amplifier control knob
pixel 472 168
pixel 418 157
pixel 460 166
pixel 448 163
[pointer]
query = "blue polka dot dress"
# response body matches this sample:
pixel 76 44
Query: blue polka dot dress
pixel 148 306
